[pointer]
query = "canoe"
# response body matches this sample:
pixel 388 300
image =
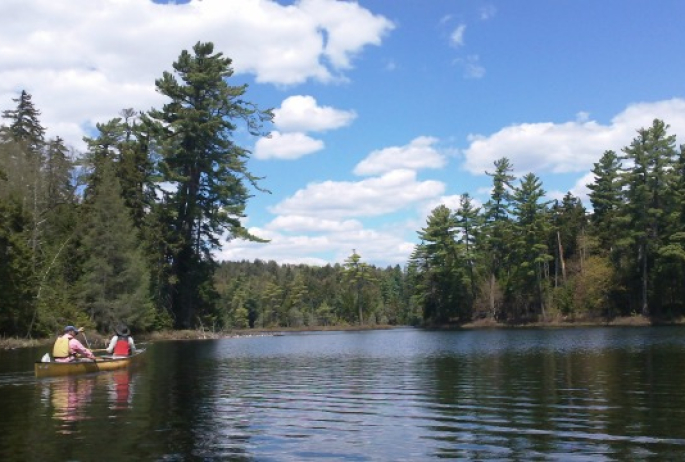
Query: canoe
pixel 102 363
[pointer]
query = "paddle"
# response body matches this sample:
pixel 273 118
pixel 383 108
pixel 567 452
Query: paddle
pixel 85 338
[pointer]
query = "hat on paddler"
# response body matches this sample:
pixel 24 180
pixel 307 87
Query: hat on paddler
pixel 122 329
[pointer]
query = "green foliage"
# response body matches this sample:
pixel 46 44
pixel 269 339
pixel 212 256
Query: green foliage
pixel 114 245
pixel 17 283
pixel 193 135
pixel 114 285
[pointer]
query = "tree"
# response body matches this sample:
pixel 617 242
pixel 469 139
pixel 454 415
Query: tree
pixel 568 220
pixel 114 286
pixel 652 156
pixel 193 135
pixel 606 199
pixel 17 283
pixel 27 132
pixel 469 222
pixel 440 273
pixel 529 251
pixel 358 274
pixel 497 226
pixel 671 256
pixel 25 126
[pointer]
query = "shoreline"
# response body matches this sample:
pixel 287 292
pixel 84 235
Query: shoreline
pixel 11 343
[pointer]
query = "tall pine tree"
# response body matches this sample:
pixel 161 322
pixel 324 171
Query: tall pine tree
pixel 206 168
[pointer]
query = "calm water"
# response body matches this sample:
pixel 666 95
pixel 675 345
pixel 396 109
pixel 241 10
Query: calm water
pixel 596 394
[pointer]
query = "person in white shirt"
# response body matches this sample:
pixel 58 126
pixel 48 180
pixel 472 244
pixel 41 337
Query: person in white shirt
pixel 122 343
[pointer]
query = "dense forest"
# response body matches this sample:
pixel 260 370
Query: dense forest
pixel 126 231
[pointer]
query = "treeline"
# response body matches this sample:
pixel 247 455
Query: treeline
pixel 126 231
pixel 265 295
pixel 520 258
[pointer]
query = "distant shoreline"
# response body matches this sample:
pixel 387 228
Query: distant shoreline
pixel 11 343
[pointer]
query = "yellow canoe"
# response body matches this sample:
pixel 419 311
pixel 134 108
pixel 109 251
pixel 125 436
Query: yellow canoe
pixel 103 363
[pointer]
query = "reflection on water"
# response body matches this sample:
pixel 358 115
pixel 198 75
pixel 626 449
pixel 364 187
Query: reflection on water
pixel 66 398
pixel 120 389
pixel 405 395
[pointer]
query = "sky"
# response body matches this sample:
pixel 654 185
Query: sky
pixel 384 109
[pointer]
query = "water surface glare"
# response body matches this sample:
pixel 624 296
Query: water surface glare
pixel 582 394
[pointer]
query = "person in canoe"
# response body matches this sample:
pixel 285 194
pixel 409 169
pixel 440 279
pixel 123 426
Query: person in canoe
pixel 68 349
pixel 122 343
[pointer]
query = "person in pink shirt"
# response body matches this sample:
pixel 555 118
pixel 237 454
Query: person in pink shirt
pixel 68 349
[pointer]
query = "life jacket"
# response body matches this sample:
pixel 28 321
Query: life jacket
pixel 61 348
pixel 122 348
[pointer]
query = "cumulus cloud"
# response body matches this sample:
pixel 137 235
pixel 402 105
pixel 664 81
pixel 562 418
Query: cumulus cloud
pixel 303 114
pixel 286 146
pixel 387 193
pixel 84 60
pixel 382 247
pixel 420 153
pixel 312 224
pixel 568 147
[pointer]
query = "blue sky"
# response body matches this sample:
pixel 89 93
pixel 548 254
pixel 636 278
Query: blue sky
pixel 384 109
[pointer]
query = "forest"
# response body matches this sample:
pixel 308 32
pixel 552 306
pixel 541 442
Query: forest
pixel 125 231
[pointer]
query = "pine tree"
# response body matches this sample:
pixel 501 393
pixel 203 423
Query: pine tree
pixel 358 274
pixel 25 126
pixel 114 284
pixel 198 156
pixel 497 227
pixel 441 281
pixel 606 200
pixel 529 251
pixel 469 222
pixel 652 156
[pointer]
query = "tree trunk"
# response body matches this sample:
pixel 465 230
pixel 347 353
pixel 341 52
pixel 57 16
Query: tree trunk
pixel 561 258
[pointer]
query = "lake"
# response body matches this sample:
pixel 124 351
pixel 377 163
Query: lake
pixel 575 394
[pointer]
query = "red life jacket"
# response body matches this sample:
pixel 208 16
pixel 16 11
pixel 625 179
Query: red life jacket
pixel 122 348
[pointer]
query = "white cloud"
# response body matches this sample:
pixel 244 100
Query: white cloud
pixel 457 36
pixel 292 223
pixel 420 153
pixel 380 247
pixel 349 28
pixel 286 146
pixel 301 113
pixel 390 192
pixel 85 60
pixel 471 66
pixel 570 146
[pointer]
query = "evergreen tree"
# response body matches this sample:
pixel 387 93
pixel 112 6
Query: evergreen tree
pixel 207 169
pixel 441 286
pixel 358 274
pixel 652 156
pixel 671 256
pixel 529 251
pixel 469 222
pixel 114 284
pixel 17 282
pixel 25 126
pixel 606 199
pixel 497 227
